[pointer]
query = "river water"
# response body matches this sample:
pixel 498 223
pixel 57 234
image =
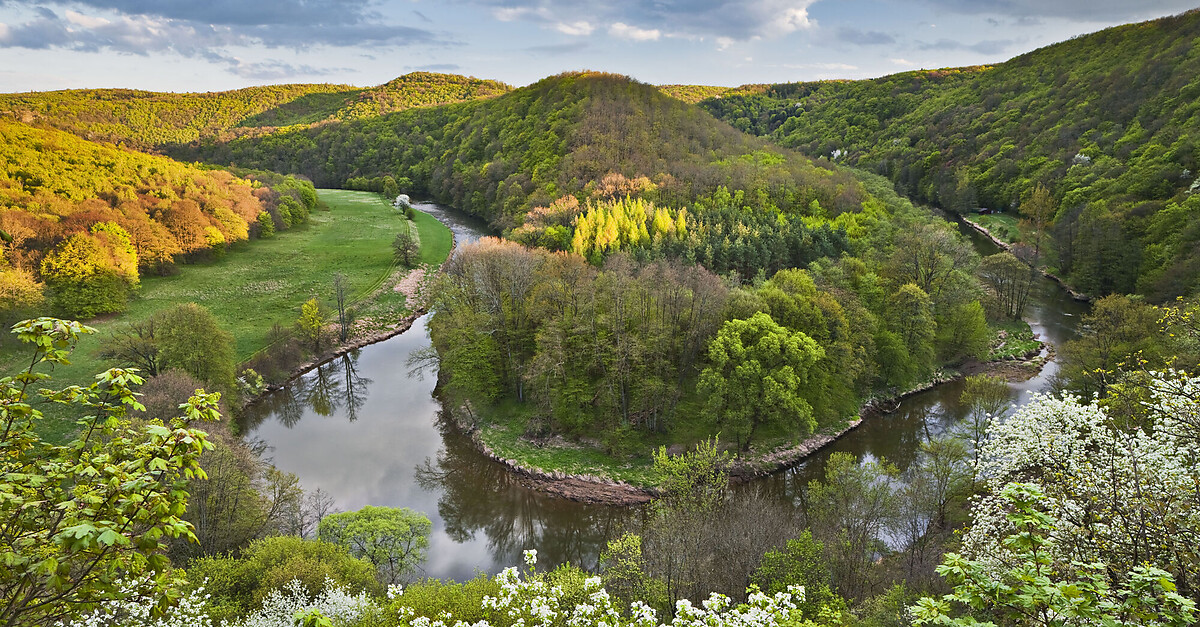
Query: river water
pixel 365 429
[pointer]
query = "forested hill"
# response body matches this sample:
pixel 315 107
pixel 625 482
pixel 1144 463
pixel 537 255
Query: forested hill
pixel 1108 122
pixel 149 120
pixel 498 158
pixel 86 218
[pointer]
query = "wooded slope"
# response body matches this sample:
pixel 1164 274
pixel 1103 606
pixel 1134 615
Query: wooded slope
pixel 149 120
pixel 498 158
pixel 1107 121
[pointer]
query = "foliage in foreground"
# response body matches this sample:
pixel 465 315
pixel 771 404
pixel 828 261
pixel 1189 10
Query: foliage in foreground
pixel 76 519
pixel 1024 584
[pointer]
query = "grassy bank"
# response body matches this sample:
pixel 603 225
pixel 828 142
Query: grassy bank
pixel 1003 225
pixel 260 283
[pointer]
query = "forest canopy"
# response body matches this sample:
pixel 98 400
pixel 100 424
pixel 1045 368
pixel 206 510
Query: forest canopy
pixel 1107 122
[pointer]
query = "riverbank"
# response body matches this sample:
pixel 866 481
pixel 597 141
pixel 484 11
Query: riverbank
pixel 983 230
pixel 596 488
pixel 407 285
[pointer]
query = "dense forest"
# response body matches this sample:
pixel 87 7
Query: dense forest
pixel 501 157
pixel 87 219
pixel 1105 121
pixel 151 120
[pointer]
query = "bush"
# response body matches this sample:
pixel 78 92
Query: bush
pixel 464 601
pixel 238 585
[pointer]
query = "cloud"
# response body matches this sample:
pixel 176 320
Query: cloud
pixel 864 38
pixel 989 46
pixel 901 61
pixel 579 28
pixel 209 23
pixel 435 67
pixel 1090 11
pixel 738 20
pixel 271 69
pixel 622 30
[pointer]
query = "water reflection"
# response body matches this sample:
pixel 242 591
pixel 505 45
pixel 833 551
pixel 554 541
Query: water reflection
pixel 334 388
pixel 478 495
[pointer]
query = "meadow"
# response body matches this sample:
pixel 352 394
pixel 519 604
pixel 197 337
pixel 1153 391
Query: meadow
pixel 260 283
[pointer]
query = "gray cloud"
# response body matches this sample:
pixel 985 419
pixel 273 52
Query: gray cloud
pixel 990 46
pixel 272 23
pixel 864 38
pixel 1089 10
pixel 731 19
pixel 241 12
pixel 271 70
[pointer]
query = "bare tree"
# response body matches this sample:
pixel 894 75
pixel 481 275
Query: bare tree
pixel 340 288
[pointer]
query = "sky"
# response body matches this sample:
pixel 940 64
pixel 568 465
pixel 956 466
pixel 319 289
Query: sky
pixel 212 45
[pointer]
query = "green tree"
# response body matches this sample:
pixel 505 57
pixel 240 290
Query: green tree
pixel 189 338
pixel 237 585
pixel 266 225
pixel 394 539
pixel 406 247
pixel 910 317
pixel 964 333
pixel 987 398
pixel 1010 281
pixel 19 293
pixel 623 570
pixel 77 519
pixel 800 563
pixel 757 372
pixel 83 278
pixel 1118 333
pixel 310 327
pixel 1038 211
pixel 848 512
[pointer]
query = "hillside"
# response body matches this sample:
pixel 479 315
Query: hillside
pixel 498 158
pixel 79 214
pixel 1106 121
pixel 148 120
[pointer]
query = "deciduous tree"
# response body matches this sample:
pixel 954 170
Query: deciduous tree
pixel 757 372
pixel 394 539
pixel 78 519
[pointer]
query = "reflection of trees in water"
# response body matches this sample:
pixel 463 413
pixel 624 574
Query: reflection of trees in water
pixel 356 387
pixel 896 437
pixel 480 495
pixel 330 387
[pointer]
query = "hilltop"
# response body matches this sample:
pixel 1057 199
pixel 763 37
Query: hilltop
pixel 1106 121
pixel 500 157
pixel 148 120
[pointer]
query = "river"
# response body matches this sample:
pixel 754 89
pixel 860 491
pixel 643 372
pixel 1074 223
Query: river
pixel 365 430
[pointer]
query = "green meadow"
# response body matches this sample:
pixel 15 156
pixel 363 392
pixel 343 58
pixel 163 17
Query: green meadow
pixel 260 283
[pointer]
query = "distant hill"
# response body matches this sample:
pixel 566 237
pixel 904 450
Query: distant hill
pixel 499 157
pixel 1108 121
pixel 148 120
pixel 418 89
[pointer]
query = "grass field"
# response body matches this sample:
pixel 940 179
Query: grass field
pixel 263 282
pixel 1002 225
